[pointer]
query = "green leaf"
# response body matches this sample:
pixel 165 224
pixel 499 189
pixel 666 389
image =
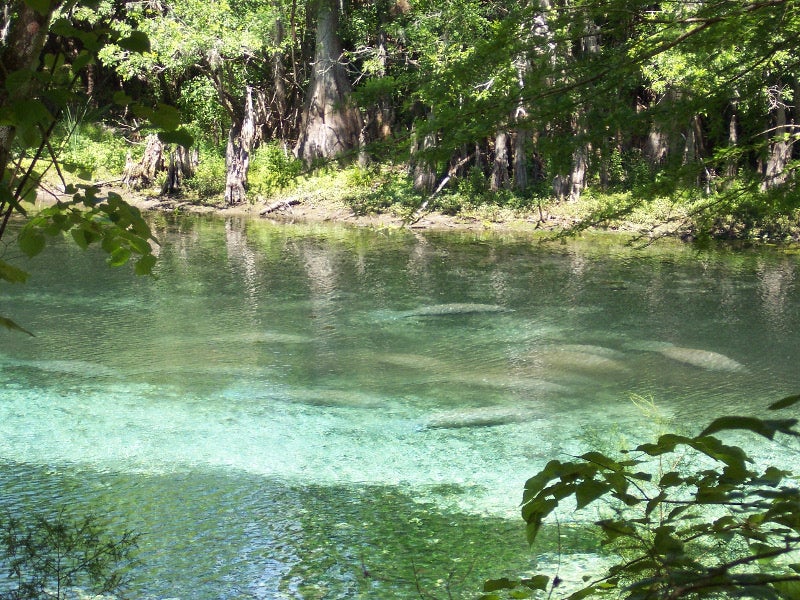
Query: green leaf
pixel 665 542
pixel 79 237
pixel 18 80
pixel 137 41
pixel 582 593
pixel 614 529
pixel 119 257
pixel 670 479
pixel 589 491
pixel 144 266
pixel 180 136
pixel 537 582
pixel 534 516
pixel 788 590
pixel 165 117
pixel 30 112
pixel 63 27
pixel 121 98
pixel 602 460
pixel 11 273
pixel 84 58
pixel 40 6
pixel 493 585
pixel 785 402
pixel 765 428
pixel 536 484
pixel 9 324
pixel 31 242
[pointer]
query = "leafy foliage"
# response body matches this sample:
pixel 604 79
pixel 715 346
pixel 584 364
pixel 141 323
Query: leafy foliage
pixel 688 516
pixel 273 168
pixel 40 91
pixel 47 557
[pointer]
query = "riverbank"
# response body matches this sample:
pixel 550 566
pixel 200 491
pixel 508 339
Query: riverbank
pixel 381 200
pixel 332 204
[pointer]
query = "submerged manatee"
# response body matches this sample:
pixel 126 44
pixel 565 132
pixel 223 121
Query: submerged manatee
pixel 487 416
pixel 570 359
pixel 262 337
pixel 705 359
pixel 511 382
pixel 465 374
pixel 593 349
pixel 455 308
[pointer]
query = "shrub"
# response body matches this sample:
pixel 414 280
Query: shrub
pixel 689 517
pixel 91 150
pixel 272 168
pixel 209 177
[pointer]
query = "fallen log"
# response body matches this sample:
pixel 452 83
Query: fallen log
pixel 279 205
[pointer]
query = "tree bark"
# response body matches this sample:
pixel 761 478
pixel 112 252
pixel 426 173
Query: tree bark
pixel 499 179
pixel 577 179
pixel 521 160
pixel 182 165
pixel 331 124
pixel 421 170
pixel 780 149
pixel 731 169
pixel 143 173
pixel 22 34
pixel 237 154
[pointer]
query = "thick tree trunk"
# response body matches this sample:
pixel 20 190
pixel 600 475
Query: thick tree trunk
pixel 331 124
pixel 499 179
pixel 577 179
pixel 142 174
pixel 182 165
pixel 22 34
pixel 421 171
pixel 237 154
pixel 521 160
pixel 733 138
pixel 656 145
pixel 780 150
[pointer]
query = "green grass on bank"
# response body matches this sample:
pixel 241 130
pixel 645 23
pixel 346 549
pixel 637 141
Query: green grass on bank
pixel 91 152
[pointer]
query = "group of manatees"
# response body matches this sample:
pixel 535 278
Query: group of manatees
pixel 551 360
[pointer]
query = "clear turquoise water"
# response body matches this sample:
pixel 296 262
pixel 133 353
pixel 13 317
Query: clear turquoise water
pixel 281 416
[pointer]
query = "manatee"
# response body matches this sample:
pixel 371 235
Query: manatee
pixel 70 367
pixel 564 359
pixel 414 361
pixel 488 416
pixel 705 359
pixel 331 397
pixel 646 345
pixel 452 372
pixel 511 382
pixel 263 337
pixel 592 349
pixel 455 308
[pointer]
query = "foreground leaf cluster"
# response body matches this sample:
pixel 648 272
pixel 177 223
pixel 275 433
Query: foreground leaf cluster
pixel 688 517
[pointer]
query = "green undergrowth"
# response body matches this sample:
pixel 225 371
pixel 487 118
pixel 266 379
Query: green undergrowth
pixel 92 152
pixel 741 212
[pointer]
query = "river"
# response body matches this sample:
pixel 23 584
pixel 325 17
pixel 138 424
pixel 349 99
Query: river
pixel 313 411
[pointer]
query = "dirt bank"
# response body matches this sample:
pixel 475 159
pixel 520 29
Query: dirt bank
pixel 314 208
